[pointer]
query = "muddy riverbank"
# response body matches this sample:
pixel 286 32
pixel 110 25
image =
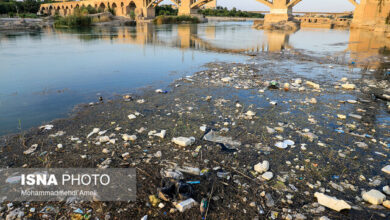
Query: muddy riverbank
pixel 24 23
pixel 30 24
pixel 320 133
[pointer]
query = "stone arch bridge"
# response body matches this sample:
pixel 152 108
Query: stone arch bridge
pixel 142 8
pixel 280 10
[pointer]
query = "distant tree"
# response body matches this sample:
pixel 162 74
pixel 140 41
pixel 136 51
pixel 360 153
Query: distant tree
pixel 224 12
pixel 166 10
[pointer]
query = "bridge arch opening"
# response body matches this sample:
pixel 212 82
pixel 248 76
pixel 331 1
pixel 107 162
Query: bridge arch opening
pixel 66 10
pixel 102 7
pixel 130 10
pixel 57 11
pixel 122 10
pixel 114 8
pixel 49 10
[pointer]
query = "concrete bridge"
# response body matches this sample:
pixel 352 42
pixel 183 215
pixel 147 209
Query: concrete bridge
pixel 280 10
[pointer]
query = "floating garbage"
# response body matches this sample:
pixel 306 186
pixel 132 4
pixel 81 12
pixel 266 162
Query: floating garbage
pixel 189 170
pixel 273 85
pixel 312 84
pixel 154 200
pixel 183 141
pixel 171 173
pixel 79 211
pixel 193 182
pixel 161 91
pixel 227 143
pixel 94 131
pixel 46 127
pixel 127 137
pixel 331 202
pixel 348 86
pixel 31 150
pixel 223 174
pixel 203 207
pixel 374 197
pixel 267 175
pixel 184 205
pixel 262 167
pixel 284 144
pixel 131 116
pixel 174 189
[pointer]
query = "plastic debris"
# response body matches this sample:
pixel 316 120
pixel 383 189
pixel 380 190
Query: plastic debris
pixel 184 205
pixel 31 150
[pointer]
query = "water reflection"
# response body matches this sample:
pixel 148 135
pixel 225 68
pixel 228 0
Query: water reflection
pixel 366 46
pixel 185 36
pixel 278 40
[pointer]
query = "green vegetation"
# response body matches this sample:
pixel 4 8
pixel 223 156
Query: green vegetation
pixel 72 21
pixel 14 8
pixel 85 10
pixel 224 12
pixel 175 19
pixel 111 10
pixel 132 15
pixel 166 10
pixel 28 15
pixel 79 18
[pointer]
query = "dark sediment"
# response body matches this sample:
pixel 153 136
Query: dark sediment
pixel 220 97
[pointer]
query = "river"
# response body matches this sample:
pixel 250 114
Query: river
pixel 45 74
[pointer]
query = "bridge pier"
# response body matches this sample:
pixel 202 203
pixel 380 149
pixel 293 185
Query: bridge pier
pixel 149 13
pixel 370 15
pixel 280 10
pixel 185 8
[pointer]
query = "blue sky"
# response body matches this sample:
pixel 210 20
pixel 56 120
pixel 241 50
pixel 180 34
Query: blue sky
pixel 305 5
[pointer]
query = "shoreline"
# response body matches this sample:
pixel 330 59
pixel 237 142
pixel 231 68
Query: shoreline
pixel 236 101
pixel 215 18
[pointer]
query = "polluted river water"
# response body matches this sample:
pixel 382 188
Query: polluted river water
pixel 277 125
pixel 46 73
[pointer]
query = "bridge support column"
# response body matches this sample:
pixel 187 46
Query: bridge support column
pixel 185 8
pixel 370 15
pixel 62 12
pixel 149 13
pixel 120 11
pixel 280 10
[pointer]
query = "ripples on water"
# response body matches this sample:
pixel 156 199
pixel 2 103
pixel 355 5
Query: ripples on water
pixel 45 74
